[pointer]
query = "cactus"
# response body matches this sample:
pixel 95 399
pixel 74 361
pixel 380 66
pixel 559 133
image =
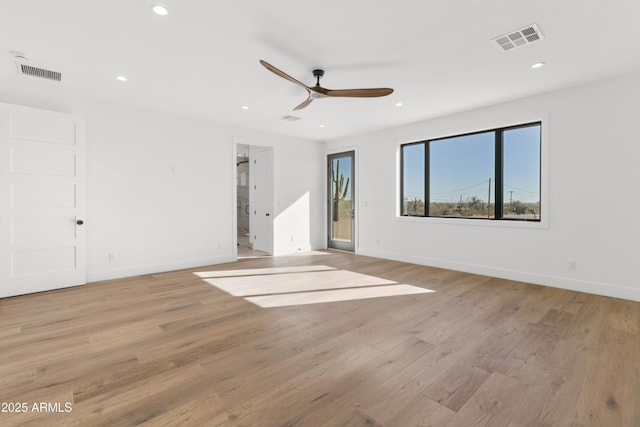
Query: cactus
pixel 341 188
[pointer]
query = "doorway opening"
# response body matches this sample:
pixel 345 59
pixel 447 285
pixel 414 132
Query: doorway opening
pixel 254 193
pixel 242 192
pixel 341 201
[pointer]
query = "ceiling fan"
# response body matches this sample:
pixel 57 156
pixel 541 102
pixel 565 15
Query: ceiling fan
pixel 317 91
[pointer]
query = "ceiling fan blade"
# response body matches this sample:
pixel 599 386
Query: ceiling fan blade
pixel 358 93
pixel 318 91
pixel 304 104
pixel 282 74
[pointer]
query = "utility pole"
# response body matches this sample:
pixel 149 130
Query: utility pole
pixel 511 201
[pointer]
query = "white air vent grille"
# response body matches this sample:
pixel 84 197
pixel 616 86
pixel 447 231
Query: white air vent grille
pixel 518 38
pixel 289 118
pixel 28 70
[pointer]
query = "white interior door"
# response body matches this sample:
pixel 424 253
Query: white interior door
pixel 262 199
pixel 41 200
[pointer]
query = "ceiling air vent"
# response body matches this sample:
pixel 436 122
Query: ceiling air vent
pixel 518 38
pixel 28 70
pixel 289 118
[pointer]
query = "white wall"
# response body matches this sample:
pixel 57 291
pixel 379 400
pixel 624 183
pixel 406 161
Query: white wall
pixel 160 186
pixel 299 210
pixel 160 191
pixel 298 192
pixel 592 202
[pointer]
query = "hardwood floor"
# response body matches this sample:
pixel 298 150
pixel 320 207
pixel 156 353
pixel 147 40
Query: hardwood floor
pixel 174 349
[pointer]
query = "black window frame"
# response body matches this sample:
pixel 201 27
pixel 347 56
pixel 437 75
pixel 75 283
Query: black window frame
pixel 498 184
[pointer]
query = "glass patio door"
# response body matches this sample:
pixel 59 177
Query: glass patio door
pixel 341 203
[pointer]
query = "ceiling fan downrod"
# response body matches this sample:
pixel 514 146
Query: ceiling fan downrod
pixel 318 74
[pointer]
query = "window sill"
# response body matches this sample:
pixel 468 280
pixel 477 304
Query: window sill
pixel 499 223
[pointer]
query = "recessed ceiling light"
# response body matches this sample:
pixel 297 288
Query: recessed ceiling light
pixel 160 10
pixel 121 78
pixel 399 104
pixel 537 65
pixel 321 126
pixel 244 107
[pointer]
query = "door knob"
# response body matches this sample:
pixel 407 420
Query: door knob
pixel 79 222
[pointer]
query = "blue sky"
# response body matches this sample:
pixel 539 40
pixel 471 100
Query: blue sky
pixel 463 166
pixel 345 170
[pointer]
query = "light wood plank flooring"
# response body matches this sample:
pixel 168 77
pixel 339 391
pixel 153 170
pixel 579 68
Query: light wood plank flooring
pixel 174 349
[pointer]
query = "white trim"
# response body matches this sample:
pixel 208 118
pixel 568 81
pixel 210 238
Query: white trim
pixel 586 286
pixel 234 198
pixel 242 140
pixel 291 250
pixel 356 189
pixel 470 222
pixel 138 270
pixel 480 126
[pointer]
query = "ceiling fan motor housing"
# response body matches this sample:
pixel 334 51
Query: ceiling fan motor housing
pixel 318 74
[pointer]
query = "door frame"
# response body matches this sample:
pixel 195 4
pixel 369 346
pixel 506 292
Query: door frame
pixel 241 140
pixel 331 244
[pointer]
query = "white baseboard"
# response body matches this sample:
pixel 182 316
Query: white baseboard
pixel 597 288
pixel 290 250
pixel 117 273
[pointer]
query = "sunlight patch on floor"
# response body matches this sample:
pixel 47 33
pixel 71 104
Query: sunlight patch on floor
pixel 262 271
pixel 313 284
pixel 295 282
pixel 302 298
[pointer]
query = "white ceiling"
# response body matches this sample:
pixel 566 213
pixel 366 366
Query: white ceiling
pixel 201 60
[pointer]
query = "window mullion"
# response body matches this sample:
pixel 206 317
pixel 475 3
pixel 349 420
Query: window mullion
pixel 427 168
pixel 498 204
pixel 402 171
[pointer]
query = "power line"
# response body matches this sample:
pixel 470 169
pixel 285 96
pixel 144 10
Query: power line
pixel 421 195
pixel 461 189
pixel 414 195
pixel 520 189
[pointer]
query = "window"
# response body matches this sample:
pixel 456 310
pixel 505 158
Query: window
pixel 492 174
pixel 461 170
pixel 413 179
